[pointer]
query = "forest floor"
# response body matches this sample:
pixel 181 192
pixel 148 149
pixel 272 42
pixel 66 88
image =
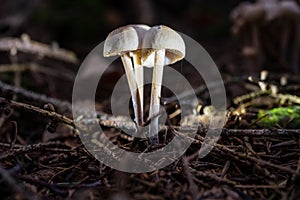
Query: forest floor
pixel 43 157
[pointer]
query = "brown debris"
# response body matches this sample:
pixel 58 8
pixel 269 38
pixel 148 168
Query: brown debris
pixel 246 163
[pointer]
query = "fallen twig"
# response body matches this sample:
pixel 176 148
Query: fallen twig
pixel 26 45
pixel 250 158
pixel 59 104
pixel 50 114
pixel 22 149
pixel 61 73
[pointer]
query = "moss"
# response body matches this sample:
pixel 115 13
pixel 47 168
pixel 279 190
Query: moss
pixel 285 117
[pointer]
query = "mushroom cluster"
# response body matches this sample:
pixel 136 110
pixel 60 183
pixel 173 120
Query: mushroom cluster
pixel 269 30
pixel 143 46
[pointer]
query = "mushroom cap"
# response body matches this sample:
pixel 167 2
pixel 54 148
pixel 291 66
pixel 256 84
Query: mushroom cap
pixel 254 13
pixel 162 37
pixel 271 8
pixel 289 9
pixel 124 39
pixel 248 12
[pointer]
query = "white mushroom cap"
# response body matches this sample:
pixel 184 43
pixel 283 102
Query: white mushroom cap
pixel 124 39
pixel 162 37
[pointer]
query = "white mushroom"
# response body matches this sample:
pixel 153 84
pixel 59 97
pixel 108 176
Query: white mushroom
pixel 126 41
pixel 161 46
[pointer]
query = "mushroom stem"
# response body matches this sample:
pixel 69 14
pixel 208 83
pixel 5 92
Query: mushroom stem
pixel 139 77
pixel 132 86
pixel 159 58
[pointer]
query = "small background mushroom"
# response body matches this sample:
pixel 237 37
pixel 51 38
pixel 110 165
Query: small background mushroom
pixel 269 32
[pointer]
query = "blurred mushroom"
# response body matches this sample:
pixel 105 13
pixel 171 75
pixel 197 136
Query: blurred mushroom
pixel 290 14
pixel 269 32
pixel 248 18
pixel 161 46
pixel 126 41
pixel 271 8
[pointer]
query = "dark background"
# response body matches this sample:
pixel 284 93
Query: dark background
pixel 80 25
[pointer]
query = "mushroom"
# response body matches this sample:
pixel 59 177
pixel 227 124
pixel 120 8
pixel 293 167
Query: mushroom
pixel 126 41
pixel 271 33
pixel 271 8
pixel 161 46
pixel 290 16
pixel 247 19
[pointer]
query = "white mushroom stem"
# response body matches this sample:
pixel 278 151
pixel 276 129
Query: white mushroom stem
pixel 133 87
pixel 159 59
pixel 139 77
